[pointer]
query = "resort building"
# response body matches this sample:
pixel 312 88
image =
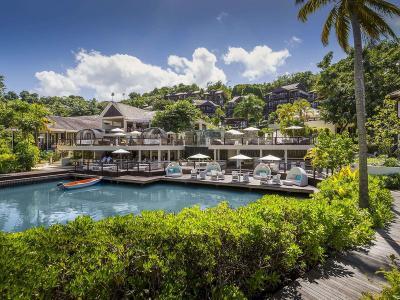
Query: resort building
pixel 288 94
pixel 230 106
pixel 207 107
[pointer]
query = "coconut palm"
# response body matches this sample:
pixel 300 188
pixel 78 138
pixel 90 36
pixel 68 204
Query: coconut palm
pixel 366 18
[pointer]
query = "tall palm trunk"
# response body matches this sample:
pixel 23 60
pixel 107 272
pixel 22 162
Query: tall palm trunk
pixel 361 113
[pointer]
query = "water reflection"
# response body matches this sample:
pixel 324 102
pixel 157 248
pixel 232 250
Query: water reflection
pixel 44 204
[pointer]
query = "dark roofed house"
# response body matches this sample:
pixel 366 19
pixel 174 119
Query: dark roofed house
pixel 230 107
pixel 207 107
pixel 218 97
pixel 287 94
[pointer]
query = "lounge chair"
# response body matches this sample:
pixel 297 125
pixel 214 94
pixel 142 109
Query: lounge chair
pixel 193 174
pixel 174 170
pixel 212 166
pixel 263 178
pixel 214 175
pixel 246 177
pixel 262 170
pixel 276 179
pixel 221 175
pixel 203 175
pixel 296 176
pixel 235 176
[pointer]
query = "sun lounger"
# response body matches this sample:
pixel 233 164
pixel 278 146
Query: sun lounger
pixel 203 175
pixel 246 177
pixel 235 176
pixel 221 175
pixel 193 174
pixel 214 175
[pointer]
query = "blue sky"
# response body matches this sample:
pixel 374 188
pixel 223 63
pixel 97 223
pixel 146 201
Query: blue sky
pixel 126 45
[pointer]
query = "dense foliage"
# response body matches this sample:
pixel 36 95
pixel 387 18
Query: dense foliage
pixel 177 117
pixel 335 84
pixel 384 127
pixel 195 254
pixel 332 151
pixel 250 108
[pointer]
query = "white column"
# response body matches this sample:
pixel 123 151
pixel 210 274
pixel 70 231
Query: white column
pixel 237 162
pixel 169 155
pixel 260 153
pixel 219 154
pixel 159 155
pixel 286 157
pixel 215 154
pixel 179 155
pixel 140 155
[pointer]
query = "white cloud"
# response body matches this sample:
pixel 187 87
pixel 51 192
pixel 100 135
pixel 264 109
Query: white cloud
pixel 260 61
pixel 294 41
pixel 122 73
pixel 221 16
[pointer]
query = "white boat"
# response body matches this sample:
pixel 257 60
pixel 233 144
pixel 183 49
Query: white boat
pixel 79 184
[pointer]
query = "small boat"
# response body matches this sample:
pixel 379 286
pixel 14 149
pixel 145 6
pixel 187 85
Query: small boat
pixel 79 184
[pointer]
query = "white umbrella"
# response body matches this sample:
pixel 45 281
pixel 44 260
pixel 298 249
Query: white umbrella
pixel 239 158
pixel 119 134
pixel 251 129
pixel 234 132
pixel 117 130
pixel 199 156
pixel 170 132
pixel 135 132
pixel 120 152
pixel 294 127
pixel 270 158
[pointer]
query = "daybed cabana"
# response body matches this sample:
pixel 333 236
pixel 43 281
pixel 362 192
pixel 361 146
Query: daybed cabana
pixel 262 170
pixel 213 166
pixel 173 170
pixel 296 176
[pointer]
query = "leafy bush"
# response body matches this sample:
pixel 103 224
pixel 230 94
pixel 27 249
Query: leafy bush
pixel 343 186
pixel 27 155
pixel 7 163
pixel 391 181
pixel 217 253
pixel 391 162
pixel 392 291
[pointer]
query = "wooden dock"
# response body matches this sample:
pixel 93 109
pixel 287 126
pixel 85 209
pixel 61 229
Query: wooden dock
pixel 227 182
pixel 350 275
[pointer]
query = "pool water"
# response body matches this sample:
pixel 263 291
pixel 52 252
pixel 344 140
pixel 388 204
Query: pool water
pixel 43 204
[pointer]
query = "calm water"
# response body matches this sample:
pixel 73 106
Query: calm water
pixel 44 204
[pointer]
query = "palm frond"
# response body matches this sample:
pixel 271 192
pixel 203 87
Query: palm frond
pixel 342 26
pixel 384 7
pixel 309 7
pixel 328 25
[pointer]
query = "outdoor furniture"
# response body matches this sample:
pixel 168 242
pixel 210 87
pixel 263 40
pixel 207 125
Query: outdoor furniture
pixel 235 176
pixel 214 175
pixel 221 175
pixel 246 177
pixel 262 170
pixel 203 175
pixel 276 179
pixel 264 178
pixel 213 166
pixel 174 170
pixel 193 174
pixel 296 176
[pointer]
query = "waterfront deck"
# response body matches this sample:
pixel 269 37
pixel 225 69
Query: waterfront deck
pixel 227 182
pixel 350 275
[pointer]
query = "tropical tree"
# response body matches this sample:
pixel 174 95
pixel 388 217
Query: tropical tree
pixel 366 18
pixel 250 108
pixel 177 117
pixel 384 127
pixel 2 87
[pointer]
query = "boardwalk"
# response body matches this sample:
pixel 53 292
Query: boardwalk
pixel 350 275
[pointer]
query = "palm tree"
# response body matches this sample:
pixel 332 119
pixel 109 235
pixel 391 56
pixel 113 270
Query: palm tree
pixel 367 19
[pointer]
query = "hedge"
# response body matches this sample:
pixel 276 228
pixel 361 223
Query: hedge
pixel 217 253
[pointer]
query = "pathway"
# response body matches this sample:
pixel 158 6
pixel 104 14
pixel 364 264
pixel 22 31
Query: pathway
pixel 349 276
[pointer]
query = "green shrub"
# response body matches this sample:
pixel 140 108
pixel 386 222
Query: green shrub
pixel 7 163
pixel 392 291
pixel 391 181
pixel 391 162
pixel 217 253
pixel 27 155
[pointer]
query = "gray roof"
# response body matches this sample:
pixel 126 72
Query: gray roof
pixel 235 99
pixel 134 113
pixel 201 102
pixel 293 86
pixel 74 123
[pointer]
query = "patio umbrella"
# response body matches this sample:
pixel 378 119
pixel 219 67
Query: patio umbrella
pixel 239 159
pixel 115 130
pixel 119 134
pixel 170 132
pixel 234 132
pixel 294 127
pixel 135 132
pixel 251 129
pixel 198 156
pixel 120 152
pixel 270 158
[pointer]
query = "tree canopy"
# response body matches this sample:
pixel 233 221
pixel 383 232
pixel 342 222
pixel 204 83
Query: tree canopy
pixel 250 108
pixel 177 117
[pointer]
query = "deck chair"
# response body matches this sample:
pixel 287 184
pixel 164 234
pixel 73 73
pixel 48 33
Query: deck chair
pixel 246 177
pixel 221 175
pixel 214 175
pixel 203 175
pixel 235 176
pixel 193 174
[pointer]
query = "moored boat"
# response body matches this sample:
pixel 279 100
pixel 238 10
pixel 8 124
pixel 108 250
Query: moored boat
pixel 79 183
